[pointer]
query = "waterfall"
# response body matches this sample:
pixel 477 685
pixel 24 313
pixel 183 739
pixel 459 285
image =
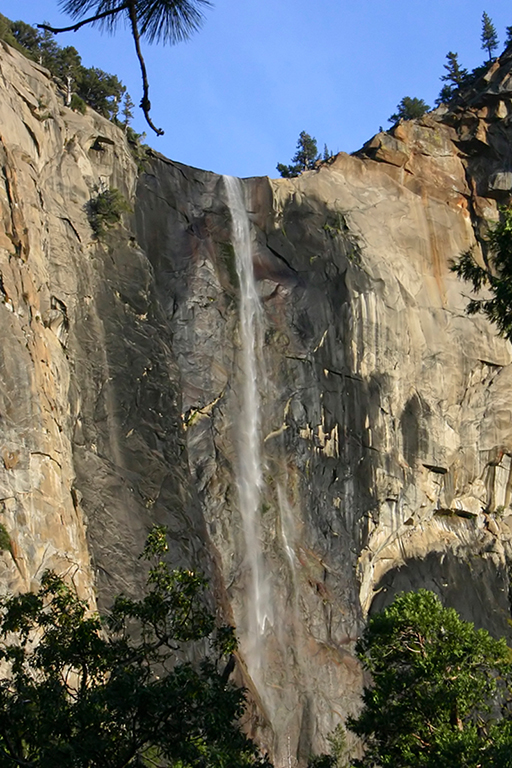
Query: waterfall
pixel 249 473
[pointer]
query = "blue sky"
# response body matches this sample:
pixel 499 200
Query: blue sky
pixel 235 97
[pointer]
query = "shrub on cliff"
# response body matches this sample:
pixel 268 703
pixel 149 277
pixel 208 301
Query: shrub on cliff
pixel 408 109
pixel 439 693
pixel 84 692
pixel 105 209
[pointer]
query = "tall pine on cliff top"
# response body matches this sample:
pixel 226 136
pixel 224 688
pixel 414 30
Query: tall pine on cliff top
pixel 489 35
pixel 304 159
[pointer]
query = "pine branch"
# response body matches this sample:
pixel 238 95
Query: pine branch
pixel 145 103
pixel 79 24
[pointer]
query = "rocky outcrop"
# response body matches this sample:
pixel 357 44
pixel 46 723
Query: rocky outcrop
pixel 385 409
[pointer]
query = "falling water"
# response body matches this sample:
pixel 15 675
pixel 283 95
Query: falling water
pixel 249 469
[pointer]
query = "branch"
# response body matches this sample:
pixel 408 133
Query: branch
pixel 228 670
pixel 79 24
pixel 145 103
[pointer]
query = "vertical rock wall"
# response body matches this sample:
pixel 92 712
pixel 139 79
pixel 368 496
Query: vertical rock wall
pixel 385 410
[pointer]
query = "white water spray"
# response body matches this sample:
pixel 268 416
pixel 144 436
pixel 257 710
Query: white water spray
pixel 249 469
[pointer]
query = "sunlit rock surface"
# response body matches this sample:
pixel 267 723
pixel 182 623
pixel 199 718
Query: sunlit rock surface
pixel 385 410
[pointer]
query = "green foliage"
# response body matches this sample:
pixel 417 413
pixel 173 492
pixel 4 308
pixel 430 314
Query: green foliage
pixel 83 692
pixel 409 109
pixel 489 35
pixel 496 276
pixel 77 104
pixel 101 91
pixel 157 20
pixel 455 79
pixel 127 110
pixel 105 210
pixel 304 159
pixel 438 684
pixel 337 756
pixel 455 74
pixel 138 150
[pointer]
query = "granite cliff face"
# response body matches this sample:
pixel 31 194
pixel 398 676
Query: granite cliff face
pixel 384 413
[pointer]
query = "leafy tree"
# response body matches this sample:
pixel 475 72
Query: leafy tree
pixel 168 21
pixel 26 36
pixel 66 65
pixel 100 90
pixel 304 158
pixel 86 693
pixel 489 35
pixel 409 109
pixel 337 757
pixel 437 683
pixel 496 276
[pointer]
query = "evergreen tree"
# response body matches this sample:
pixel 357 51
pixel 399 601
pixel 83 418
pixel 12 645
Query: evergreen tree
pixel 496 276
pixel 437 686
pixel 455 78
pixel 304 158
pixel 409 109
pixel 446 94
pixel 455 74
pixel 127 111
pixel 327 154
pixel 168 21
pixel 489 35
pixel 100 90
pixel 509 36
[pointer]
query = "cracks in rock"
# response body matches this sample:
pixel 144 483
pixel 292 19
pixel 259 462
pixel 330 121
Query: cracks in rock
pixel 281 258
pixel 18 236
pixel 48 456
pixel 68 221
pixel 33 137
pixel 343 375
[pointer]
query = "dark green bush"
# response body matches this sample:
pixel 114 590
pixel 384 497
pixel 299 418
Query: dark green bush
pixel 105 210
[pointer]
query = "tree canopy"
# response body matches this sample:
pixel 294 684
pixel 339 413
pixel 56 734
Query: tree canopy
pixel 495 275
pixel 91 692
pixel 439 690
pixel 304 158
pixel 408 109
pixel 166 21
